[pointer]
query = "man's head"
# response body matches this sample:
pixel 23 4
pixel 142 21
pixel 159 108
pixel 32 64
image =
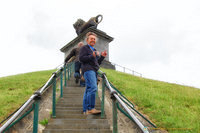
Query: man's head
pixel 91 38
pixel 80 44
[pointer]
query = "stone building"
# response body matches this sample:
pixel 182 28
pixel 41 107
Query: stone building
pixel 101 45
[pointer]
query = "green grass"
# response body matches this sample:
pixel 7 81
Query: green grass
pixel 15 90
pixel 170 106
pixel 44 122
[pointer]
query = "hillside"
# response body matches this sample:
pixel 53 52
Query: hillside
pixel 175 108
pixel 16 89
pixel 170 106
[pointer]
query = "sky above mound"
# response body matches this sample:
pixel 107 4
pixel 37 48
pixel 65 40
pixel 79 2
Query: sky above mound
pixel 160 39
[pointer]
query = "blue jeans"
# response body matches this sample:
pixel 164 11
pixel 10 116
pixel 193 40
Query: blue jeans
pixel 77 72
pixel 90 90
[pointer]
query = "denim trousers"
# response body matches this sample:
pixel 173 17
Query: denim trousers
pixel 77 72
pixel 90 90
pixel 77 69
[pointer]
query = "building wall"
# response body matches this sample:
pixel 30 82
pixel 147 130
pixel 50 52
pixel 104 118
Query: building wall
pixel 102 45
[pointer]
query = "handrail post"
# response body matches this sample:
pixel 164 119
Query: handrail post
pixel 103 97
pixel 36 112
pixel 74 66
pixel 61 83
pixel 114 105
pixel 68 72
pixel 65 76
pixel 54 97
pixel 70 69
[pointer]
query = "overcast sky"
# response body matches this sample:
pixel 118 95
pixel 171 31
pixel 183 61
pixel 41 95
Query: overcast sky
pixel 158 38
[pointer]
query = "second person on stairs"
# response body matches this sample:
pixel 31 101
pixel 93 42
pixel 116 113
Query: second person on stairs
pixel 74 55
pixel 90 60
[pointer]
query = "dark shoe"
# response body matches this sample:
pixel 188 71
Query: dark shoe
pixel 76 80
pixel 93 112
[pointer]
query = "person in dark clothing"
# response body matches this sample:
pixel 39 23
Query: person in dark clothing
pixel 75 54
pixel 90 60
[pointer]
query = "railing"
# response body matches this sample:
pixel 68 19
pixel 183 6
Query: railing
pixel 127 70
pixel 66 71
pixel 116 100
pixel 34 100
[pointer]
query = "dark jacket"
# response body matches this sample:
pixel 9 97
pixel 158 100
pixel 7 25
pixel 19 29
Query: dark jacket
pixel 88 61
pixel 75 53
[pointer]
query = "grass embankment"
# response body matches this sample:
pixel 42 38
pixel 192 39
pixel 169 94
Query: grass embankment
pixel 173 107
pixel 15 90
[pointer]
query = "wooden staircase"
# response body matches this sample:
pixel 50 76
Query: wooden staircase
pixel 69 116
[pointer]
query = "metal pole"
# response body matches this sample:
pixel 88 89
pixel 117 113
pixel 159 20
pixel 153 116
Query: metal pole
pixel 36 113
pixel 16 114
pixel 114 104
pixel 124 69
pixel 73 67
pixel 54 97
pixel 70 68
pixel 68 71
pixel 103 98
pixel 61 83
pixel 65 76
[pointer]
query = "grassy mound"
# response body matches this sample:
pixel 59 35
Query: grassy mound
pixel 15 90
pixel 175 108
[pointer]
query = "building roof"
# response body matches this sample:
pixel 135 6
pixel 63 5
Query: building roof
pixel 78 38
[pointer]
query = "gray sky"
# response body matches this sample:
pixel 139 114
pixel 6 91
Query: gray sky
pixel 157 38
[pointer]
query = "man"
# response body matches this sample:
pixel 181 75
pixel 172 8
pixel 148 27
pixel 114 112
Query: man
pixel 75 53
pixel 90 60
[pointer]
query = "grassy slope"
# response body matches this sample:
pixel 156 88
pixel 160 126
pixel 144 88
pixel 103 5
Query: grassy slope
pixel 15 90
pixel 168 105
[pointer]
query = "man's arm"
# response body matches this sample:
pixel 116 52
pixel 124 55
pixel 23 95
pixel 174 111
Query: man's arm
pixel 72 53
pixel 100 59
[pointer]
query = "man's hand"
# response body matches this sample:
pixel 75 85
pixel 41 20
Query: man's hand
pixel 104 53
pixel 96 53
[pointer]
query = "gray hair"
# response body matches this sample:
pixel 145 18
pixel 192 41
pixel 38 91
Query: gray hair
pixel 90 33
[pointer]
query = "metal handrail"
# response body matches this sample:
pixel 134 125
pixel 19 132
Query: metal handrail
pixel 35 96
pixel 42 90
pixel 127 69
pixel 17 113
pixel 115 95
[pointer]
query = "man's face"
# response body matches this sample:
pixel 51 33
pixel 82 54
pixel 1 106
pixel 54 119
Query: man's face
pixel 91 40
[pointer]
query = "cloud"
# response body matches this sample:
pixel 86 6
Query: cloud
pixel 160 39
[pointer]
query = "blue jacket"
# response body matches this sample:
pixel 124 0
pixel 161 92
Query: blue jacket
pixel 88 61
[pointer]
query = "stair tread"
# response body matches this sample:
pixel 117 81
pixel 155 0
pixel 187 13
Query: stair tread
pixel 78 126
pixel 77 121
pixel 77 131
pixel 79 116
